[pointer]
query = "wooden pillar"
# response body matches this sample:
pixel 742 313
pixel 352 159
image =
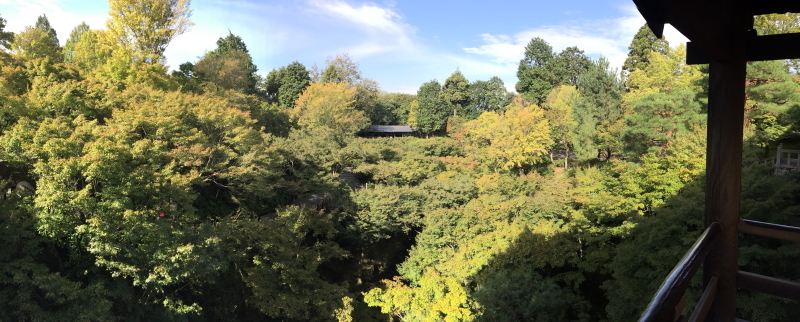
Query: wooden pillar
pixel 723 176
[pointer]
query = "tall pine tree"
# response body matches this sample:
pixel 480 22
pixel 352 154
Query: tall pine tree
pixel 599 112
pixel 642 44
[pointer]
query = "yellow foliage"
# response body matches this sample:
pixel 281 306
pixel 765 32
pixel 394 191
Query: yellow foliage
pixel 331 105
pixel 665 73
pixel 437 298
pixel 518 137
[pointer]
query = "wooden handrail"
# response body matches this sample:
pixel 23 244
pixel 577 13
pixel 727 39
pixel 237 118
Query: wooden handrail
pixel 769 230
pixel 704 304
pixel 662 307
pixel 768 285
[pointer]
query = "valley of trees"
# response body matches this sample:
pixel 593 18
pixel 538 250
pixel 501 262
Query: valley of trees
pixel 131 193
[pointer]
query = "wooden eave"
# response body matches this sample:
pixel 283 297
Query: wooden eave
pixel 712 26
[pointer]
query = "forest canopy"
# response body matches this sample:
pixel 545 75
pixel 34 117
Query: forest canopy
pixel 217 193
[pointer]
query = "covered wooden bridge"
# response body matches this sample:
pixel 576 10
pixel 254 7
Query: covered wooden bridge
pixel 721 34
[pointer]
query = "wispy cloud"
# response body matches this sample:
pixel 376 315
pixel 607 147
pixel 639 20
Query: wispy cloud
pixel 382 28
pixel 62 19
pixel 604 37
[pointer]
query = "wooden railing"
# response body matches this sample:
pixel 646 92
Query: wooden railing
pixel 668 303
pixel 670 300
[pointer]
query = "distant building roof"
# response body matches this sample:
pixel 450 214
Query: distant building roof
pixel 389 129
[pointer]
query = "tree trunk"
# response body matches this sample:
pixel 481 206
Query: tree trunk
pixel 566 157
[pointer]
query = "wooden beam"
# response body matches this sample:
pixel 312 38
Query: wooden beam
pixel 701 309
pixel 760 48
pixel 769 285
pixel 726 102
pixel 668 297
pixel 769 230
pixel 763 7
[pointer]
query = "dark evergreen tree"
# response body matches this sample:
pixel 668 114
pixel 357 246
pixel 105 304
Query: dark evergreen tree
pixel 284 85
pixel 642 44
pixel 331 75
pixel 455 93
pixel 535 78
pixel 6 37
pixel 432 111
pixel 570 64
pixel 599 112
pixel 486 96
pixel 658 118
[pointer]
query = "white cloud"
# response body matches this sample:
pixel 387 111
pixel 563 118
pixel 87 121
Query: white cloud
pixel 383 28
pixel 21 13
pixel 605 37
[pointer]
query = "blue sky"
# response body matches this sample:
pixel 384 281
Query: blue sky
pixel 399 44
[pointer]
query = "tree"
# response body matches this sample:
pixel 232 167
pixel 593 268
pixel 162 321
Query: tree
pixel 771 24
pixel 87 49
pixel 570 64
pixel 599 112
pixel 391 109
pixel 656 120
pixel 146 27
pixel 776 23
pixel 517 138
pixel 559 112
pixel 772 101
pixel 229 66
pixel 72 41
pixel 44 24
pixel 536 80
pixel 284 85
pixel 455 92
pixel 643 43
pixel 330 105
pixel 6 37
pixel 430 113
pixel 485 96
pixel 341 68
pixel 34 43
pixel 662 74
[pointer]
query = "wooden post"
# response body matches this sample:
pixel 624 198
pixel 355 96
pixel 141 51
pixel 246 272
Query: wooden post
pixel 778 156
pixel 723 176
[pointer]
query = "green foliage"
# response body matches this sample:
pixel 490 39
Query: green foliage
pixel 6 37
pixel 643 43
pixel 229 66
pixel 518 137
pixel 330 105
pixel 145 27
pixel 437 298
pixel 487 96
pixel 44 24
pixel 536 80
pixel 542 70
pixel 284 85
pixel 430 113
pixel 36 43
pixel 771 99
pixel 391 109
pixel 570 64
pixel 658 118
pixel 599 112
pixel 455 92
pixel 514 296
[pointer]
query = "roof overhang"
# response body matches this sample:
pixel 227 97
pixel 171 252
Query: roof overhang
pixel 714 27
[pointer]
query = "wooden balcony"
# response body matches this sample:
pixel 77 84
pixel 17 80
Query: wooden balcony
pixel 670 300
pixel 721 34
